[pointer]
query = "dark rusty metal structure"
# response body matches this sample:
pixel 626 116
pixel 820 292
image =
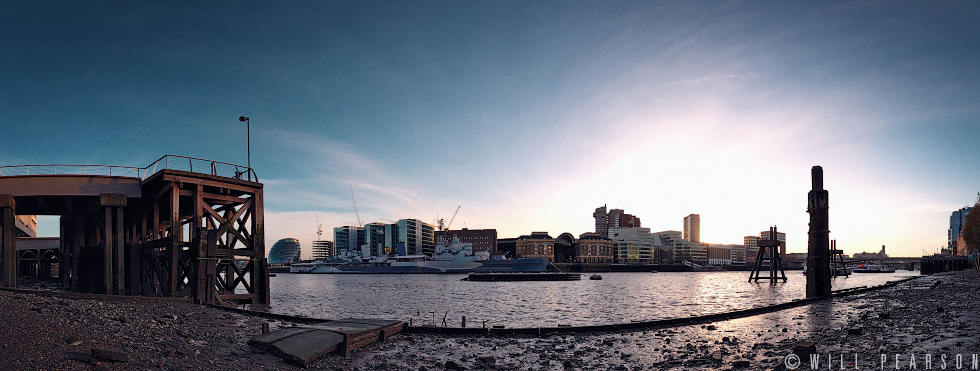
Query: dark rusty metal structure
pixel 818 245
pixel 769 251
pixel 180 227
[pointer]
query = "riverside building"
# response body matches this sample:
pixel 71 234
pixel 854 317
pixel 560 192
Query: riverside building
pixel 632 245
pixel 536 245
pixel 285 251
pixel 956 222
pixel 593 248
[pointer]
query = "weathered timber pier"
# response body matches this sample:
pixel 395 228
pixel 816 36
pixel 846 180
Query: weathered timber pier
pixel 180 227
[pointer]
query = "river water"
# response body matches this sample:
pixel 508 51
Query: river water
pixel 617 298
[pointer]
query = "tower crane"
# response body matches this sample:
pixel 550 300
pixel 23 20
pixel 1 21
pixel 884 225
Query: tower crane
pixel 356 213
pixel 319 227
pixel 446 227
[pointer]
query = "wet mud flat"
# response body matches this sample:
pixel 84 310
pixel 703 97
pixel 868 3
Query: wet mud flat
pixel 935 315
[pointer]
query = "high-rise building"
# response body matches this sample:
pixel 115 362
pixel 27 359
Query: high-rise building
pixel 615 218
pixel 956 222
pixel 323 250
pixel 374 238
pixel 286 250
pixel 692 228
pixel 601 221
pixel 410 237
pixel 347 240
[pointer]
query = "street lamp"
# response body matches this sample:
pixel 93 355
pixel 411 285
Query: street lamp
pixel 248 144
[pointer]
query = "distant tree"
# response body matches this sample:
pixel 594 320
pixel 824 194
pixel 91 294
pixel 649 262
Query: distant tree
pixel 971 228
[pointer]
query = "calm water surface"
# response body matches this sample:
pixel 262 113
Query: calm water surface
pixel 617 298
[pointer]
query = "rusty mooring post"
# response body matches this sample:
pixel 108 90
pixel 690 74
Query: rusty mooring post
pixel 818 245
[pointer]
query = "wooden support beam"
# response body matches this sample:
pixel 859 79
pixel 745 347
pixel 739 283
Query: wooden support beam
pixel 260 272
pixel 107 245
pixel 8 240
pixel 120 253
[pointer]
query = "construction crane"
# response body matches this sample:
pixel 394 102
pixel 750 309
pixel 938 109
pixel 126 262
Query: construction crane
pixel 447 226
pixel 319 227
pixel 356 213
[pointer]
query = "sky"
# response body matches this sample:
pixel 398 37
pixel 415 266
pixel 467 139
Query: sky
pixel 527 115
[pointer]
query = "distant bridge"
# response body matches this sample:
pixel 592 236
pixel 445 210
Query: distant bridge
pixel 181 226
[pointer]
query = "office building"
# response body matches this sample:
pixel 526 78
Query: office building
pixel 632 245
pixel 323 250
pixel 375 241
pixel 347 240
pixel 664 243
pixel 410 237
pixel 751 244
pixel 956 222
pixel 719 254
pixel 285 251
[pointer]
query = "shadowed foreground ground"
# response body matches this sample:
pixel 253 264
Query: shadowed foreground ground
pixel 933 315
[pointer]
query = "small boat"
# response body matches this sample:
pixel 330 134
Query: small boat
pixel 873 268
pixel 595 277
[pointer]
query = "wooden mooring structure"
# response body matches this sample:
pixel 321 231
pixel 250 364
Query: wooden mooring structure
pixel 181 226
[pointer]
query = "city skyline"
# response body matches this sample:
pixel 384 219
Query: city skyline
pixel 527 115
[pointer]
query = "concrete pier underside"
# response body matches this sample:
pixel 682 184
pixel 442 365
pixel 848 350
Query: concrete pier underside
pixel 174 233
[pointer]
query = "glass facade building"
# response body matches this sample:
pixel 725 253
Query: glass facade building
pixel 284 251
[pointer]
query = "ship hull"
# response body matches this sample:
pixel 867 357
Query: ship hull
pixel 431 266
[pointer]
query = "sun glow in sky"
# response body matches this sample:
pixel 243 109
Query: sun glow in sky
pixel 528 115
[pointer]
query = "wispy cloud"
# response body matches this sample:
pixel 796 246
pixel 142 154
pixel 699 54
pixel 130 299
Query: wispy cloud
pixel 705 79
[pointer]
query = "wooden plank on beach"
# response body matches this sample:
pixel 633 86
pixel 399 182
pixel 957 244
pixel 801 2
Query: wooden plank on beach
pixel 297 345
pixel 304 344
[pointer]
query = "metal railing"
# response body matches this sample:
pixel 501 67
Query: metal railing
pixel 68 169
pixel 200 166
pixel 172 162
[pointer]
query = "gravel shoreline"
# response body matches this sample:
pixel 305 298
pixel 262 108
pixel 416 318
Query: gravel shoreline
pixel 931 315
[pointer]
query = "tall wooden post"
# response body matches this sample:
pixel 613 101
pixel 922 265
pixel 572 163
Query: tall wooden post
pixel 260 269
pixel 8 240
pixel 114 242
pixel 818 246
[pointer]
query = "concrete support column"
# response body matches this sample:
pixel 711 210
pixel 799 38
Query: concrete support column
pixel 8 241
pixel 114 243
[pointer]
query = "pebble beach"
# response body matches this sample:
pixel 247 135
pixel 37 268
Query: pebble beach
pixel 930 319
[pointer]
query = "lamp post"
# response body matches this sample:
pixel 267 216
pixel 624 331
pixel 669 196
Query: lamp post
pixel 248 144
